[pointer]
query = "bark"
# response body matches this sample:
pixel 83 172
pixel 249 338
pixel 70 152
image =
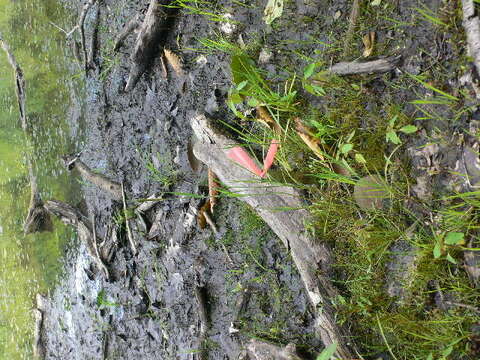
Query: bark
pixel 37 219
pixel 282 209
pixel 375 66
pixel 104 183
pixel 471 24
pixel 258 350
pixel 153 32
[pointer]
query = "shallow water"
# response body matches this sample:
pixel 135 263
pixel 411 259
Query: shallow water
pixel 31 264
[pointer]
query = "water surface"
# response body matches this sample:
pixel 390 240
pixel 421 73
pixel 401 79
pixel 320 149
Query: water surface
pixel 31 264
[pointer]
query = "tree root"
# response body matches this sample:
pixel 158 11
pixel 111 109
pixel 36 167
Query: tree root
pixel 129 27
pixel 156 24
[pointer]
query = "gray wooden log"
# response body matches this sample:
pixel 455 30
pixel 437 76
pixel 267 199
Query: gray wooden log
pixel 152 34
pixel 368 67
pixel 258 350
pixel 282 209
pixel 471 24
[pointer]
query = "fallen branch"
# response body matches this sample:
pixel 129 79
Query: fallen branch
pixel 37 219
pixel 282 209
pixel 375 66
pixel 71 216
pixel 104 183
pixel 258 350
pixel 471 24
pixel 352 23
pixel 127 223
pixel 156 24
pixel 129 27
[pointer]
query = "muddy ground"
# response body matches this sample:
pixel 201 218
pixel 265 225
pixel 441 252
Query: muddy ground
pixel 148 309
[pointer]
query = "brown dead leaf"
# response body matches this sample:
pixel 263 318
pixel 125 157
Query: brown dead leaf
pixel 174 61
pixel 201 220
pixel 212 189
pixel 265 118
pixel 307 137
pixel 368 43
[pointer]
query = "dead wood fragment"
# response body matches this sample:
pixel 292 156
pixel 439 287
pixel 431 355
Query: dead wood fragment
pixel 201 296
pixel 471 24
pixel 37 219
pixel 258 350
pixel 104 183
pixel 152 35
pixel 129 27
pixel 369 67
pixel 212 189
pixel 311 256
pixel 72 216
pixel 352 23
pixel 127 223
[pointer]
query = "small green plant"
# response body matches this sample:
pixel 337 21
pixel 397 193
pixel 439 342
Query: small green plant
pixel 102 300
pixel 327 353
pixel 392 130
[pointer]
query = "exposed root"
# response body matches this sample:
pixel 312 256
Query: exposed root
pixel 129 28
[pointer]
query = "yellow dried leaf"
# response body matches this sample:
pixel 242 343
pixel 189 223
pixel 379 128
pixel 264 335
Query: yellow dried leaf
pixel 174 61
pixel 265 118
pixel 212 189
pixel 202 222
pixel 368 43
pixel 306 135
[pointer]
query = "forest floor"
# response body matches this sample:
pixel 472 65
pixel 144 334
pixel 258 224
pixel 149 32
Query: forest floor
pixel 406 259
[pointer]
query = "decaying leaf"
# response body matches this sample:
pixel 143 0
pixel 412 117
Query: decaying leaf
pixel 306 135
pixel 368 43
pixel 174 61
pixel 265 118
pixel 202 221
pixel 212 189
pixel 273 10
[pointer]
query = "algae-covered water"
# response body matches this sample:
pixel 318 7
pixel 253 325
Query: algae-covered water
pixel 31 264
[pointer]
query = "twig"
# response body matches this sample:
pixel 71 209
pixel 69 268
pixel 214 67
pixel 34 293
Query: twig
pixel 127 223
pixel 95 247
pixel 58 27
pixel 352 23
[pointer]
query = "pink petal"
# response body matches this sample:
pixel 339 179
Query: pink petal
pixel 268 161
pixel 239 155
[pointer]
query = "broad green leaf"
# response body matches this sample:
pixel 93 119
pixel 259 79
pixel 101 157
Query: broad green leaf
pixel 451 259
pixel 308 71
pixel 393 137
pixel 346 148
pixel 273 10
pixel 437 250
pixel 454 238
pixel 360 159
pixel 328 352
pixel 409 129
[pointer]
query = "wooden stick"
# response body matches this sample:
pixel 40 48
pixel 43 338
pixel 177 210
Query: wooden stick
pixel 375 66
pixel 127 223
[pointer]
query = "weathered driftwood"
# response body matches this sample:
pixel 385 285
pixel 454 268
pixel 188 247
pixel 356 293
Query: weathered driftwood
pixel 152 34
pixel 37 219
pixel 471 24
pixel 258 350
pixel 104 183
pixel 129 27
pixel 368 67
pixel 283 210
pixel 71 216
